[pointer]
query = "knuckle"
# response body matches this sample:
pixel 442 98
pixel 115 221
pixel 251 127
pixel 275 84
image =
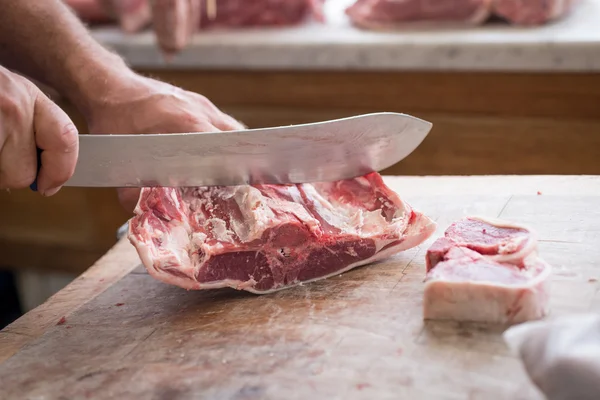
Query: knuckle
pixel 9 108
pixel 233 123
pixel 206 103
pixel 204 127
pixel 69 137
pixel 194 121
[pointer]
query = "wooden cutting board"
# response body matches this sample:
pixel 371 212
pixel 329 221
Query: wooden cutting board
pixel 125 335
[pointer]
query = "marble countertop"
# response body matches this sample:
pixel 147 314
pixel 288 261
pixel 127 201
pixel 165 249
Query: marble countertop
pixel 572 44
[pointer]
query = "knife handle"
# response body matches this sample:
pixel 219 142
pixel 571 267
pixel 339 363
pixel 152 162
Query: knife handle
pixel 33 186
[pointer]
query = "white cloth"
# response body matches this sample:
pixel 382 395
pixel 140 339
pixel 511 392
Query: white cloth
pixel 561 356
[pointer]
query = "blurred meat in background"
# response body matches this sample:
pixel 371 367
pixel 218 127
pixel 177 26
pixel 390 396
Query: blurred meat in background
pixel 176 21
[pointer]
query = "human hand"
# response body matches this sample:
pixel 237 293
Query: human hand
pixel 132 15
pixel 174 21
pixel 29 119
pixel 143 105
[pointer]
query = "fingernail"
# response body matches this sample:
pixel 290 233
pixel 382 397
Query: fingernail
pixel 50 192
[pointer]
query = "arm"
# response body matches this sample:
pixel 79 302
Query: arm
pixel 44 40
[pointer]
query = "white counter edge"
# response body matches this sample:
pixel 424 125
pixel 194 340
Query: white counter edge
pixel 571 45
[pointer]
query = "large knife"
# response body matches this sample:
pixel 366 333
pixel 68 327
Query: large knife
pixel 322 151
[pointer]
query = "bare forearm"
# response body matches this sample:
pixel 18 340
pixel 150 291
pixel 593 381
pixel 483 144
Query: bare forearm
pixel 44 40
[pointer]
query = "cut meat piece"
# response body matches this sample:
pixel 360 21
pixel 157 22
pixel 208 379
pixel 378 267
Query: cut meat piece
pixel 269 237
pixel 486 270
pixel 388 14
pixel 500 241
pixel 237 13
pixel 530 12
pixel 385 14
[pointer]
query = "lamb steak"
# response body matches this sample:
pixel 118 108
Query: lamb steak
pixel 390 14
pixel 486 270
pixel 387 14
pixel 264 238
pixel 530 12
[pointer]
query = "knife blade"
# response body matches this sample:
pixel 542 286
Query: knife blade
pixel 322 151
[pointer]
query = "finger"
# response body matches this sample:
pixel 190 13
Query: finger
pixel 134 15
pixel 184 123
pixel 226 122
pixel 18 165
pixel 195 13
pixel 217 117
pixel 174 23
pixel 58 138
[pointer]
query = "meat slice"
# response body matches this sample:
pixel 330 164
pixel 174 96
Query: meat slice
pixel 89 10
pixel 269 237
pixel 385 14
pixel 388 14
pixel 486 270
pixel 530 12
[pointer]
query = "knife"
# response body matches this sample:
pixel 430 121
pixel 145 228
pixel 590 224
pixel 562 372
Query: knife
pixel 314 152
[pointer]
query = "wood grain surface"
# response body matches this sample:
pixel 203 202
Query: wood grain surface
pixel 360 335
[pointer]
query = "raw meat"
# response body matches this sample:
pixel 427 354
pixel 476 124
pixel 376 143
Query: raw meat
pixel 486 270
pixel 269 237
pixel 388 14
pixel 529 12
pixel 175 21
pixel 385 14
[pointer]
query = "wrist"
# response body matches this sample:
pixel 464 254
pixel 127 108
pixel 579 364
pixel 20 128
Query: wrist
pixel 93 82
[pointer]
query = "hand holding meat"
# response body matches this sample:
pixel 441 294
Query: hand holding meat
pixel 143 105
pixel 175 21
pixel 28 119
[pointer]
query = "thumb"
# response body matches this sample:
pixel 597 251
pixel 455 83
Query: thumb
pixel 57 137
